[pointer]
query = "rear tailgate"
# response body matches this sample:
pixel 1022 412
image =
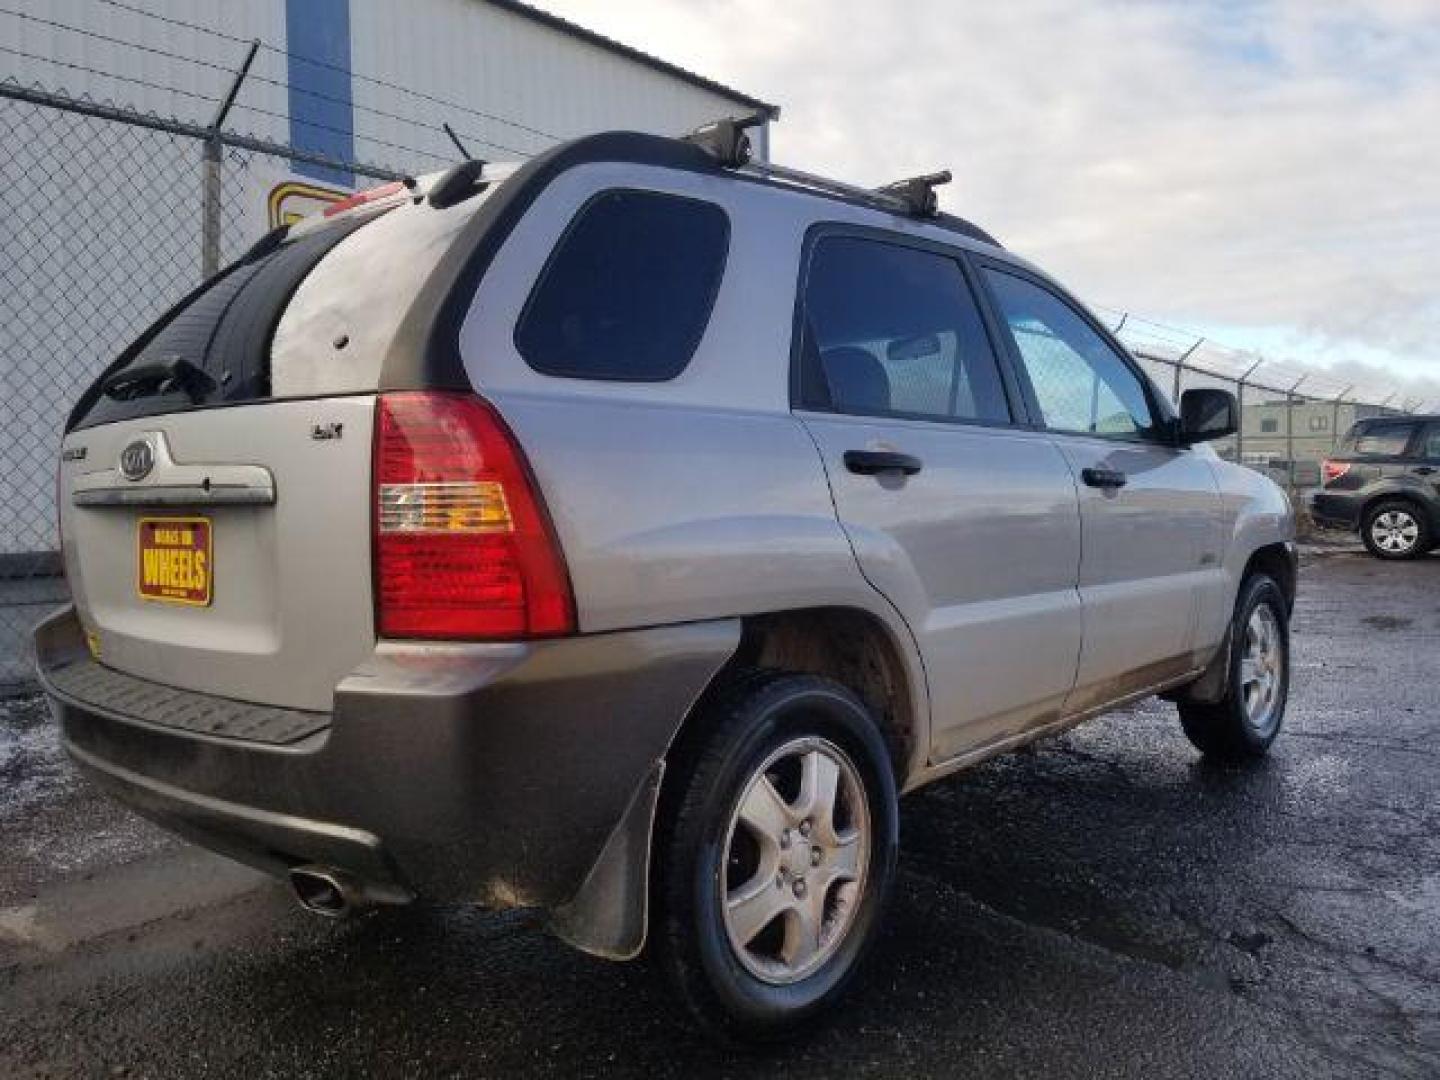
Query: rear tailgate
pixel 278 606
pixel 239 563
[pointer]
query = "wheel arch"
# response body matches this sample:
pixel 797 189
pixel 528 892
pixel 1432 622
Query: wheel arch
pixel 610 916
pixel 854 647
pixel 1277 561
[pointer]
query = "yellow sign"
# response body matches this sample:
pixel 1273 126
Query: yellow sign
pixel 287 203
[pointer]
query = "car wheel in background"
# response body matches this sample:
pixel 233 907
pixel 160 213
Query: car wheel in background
pixel 775 855
pixel 1395 529
pixel 1246 720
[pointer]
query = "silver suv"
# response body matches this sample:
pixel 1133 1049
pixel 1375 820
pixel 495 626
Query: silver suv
pixel 619 535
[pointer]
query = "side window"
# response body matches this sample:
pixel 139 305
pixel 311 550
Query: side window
pixel 1080 382
pixel 628 290
pixel 1430 448
pixel 1384 440
pixel 891 330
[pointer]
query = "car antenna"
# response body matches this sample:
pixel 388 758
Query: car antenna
pixel 464 154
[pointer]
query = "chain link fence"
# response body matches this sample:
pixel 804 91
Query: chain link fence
pixel 102 227
pixel 1291 417
pixel 106 217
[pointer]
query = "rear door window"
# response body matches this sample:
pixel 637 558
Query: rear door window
pixel 1383 440
pixel 893 330
pixel 627 292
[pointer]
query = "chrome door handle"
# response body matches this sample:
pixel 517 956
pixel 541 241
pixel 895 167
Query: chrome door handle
pixel 1103 478
pixel 870 462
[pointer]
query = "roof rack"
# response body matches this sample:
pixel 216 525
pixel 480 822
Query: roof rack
pixel 726 141
pixel 918 192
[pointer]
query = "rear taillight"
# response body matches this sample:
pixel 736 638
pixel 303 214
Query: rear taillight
pixel 1333 470
pixel 463 547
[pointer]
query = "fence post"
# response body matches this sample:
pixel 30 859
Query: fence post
pixel 1180 366
pixel 1240 406
pixel 1335 417
pixel 1290 432
pixel 211 158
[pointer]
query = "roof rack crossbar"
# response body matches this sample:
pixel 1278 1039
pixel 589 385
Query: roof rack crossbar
pixel 881 199
pixel 725 140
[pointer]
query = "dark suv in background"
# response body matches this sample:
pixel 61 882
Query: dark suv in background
pixel 1385 481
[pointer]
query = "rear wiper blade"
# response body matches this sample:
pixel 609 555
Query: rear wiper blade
pixel 158 377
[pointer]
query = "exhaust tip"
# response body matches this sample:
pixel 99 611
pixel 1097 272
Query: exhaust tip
pixel 325 892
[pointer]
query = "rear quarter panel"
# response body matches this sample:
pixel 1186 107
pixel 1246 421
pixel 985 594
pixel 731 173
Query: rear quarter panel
pixel 697 498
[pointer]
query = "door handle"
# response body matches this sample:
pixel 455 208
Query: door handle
pixel 1425 470
pixel 1103 478
pixel 870 462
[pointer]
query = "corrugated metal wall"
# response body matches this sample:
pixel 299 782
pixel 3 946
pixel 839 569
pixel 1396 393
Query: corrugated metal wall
pixel 550 84
pixel 100 222
pixel 511 84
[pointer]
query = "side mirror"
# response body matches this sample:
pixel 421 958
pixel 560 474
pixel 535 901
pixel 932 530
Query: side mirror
pixel 1207 414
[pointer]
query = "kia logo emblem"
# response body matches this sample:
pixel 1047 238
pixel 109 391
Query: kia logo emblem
pixel 136 460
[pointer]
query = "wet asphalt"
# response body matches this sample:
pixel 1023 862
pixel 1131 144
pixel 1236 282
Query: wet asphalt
pixel 1106 905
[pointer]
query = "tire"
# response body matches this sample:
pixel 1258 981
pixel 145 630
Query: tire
pixel 1396 529
pixel 742 976
pixel 1243 724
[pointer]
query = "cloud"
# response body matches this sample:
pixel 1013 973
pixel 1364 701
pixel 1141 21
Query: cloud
pixel 1268 163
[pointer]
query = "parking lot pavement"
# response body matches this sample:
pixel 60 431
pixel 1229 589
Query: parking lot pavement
pixel 1104 906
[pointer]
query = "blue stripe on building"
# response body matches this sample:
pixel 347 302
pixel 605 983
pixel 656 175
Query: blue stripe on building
pixel 322 112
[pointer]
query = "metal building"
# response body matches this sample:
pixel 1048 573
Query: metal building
pixel 101 220
pixel 368 80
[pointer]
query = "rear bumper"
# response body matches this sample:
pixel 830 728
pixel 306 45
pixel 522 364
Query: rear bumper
pixel 1337 508
pixel 493 773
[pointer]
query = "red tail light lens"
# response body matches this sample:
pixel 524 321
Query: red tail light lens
pixel 463 547
pixel 1333 470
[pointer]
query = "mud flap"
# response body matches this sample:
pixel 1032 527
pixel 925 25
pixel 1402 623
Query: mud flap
pixel 608 916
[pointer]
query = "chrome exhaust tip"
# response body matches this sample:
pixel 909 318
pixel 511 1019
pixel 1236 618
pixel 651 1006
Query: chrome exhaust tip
pixel 331 894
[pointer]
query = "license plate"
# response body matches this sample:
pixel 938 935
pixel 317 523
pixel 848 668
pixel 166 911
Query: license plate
pixel 176 560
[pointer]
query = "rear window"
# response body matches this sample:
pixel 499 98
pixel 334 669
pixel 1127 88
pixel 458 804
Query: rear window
pixel 628 290
pixel 1380 440
pixel 214 347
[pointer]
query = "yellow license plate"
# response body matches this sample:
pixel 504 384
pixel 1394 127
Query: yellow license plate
pixel 175 560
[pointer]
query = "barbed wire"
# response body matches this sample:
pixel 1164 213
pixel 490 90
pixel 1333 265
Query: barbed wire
pixel 358 76
pixel 256 77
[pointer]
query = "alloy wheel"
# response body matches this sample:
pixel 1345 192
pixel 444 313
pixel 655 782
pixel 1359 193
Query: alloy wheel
pixel 797 855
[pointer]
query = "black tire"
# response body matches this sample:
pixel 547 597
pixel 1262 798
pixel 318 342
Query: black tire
pixel 754 716
pixel 1389 522
pixel 1226 729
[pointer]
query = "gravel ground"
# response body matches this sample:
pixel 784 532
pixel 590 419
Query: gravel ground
pixel 1106 905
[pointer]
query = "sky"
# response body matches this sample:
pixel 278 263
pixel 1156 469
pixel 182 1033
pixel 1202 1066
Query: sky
pixel 1265 172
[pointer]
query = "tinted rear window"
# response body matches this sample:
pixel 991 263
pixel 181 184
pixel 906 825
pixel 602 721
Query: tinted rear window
pixel 628 290
pixel 218 337
pixel 1380 440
